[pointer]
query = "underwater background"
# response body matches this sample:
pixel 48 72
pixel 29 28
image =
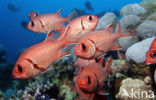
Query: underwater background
pixel 129 66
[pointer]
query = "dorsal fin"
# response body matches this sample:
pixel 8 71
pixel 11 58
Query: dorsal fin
pixel 58 12
pixel 68 17
pixel 33 15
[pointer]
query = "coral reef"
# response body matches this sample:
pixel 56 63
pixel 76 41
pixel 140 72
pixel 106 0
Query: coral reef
pixel 129 21
pixel 132 9
pixel 148 4
pixel 146 29
pixel 152 17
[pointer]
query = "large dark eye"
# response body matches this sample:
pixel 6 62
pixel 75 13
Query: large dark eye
pixel 90 18
pixel 32 24
pixel 89 80
pixel 20 69
pixel 153 54
pixel 83 47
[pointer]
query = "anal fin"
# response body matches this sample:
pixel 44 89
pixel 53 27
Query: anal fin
pixel 64 54
pixel 116 47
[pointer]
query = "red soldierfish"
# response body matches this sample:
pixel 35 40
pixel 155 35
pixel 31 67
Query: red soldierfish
pixel 80 26
pixel 98 43
pixel 91 80
pixel 46 23
pixel 39 57
pixel 151 53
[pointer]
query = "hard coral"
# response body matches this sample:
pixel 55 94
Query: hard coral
pixel 146 29
pixel 132 9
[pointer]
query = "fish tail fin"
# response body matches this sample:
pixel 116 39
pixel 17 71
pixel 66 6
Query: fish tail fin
pixel 108 64
pixel 119 31
pixel 68 17
pixel 58 12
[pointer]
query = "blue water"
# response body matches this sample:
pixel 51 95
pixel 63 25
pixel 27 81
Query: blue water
pixel 14 37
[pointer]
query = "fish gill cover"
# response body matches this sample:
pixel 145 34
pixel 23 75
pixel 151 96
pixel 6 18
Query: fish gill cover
pixel 96 69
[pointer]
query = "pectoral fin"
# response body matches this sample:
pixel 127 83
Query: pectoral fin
pixel 44 70
pixel 102 92
pixel 63 55
pixel 59 29
pixel 116 47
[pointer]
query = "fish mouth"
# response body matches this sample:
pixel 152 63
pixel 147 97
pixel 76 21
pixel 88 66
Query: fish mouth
pixel 83 88
pixel 17 77
pixel 148 63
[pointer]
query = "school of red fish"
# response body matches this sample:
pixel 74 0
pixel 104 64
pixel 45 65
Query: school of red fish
pixel 91 47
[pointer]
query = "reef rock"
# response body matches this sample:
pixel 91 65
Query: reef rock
pixel 106 20
pixel 146 29
pixel 137 52
pixel 132 9
pixel 134 89
pixel 148 4
pixel 129 20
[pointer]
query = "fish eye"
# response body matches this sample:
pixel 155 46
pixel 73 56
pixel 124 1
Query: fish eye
pixel 90 18
pixel 83 46
pixel 89 80
pixel 153 54
pixel 32 24
pixel 20 69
